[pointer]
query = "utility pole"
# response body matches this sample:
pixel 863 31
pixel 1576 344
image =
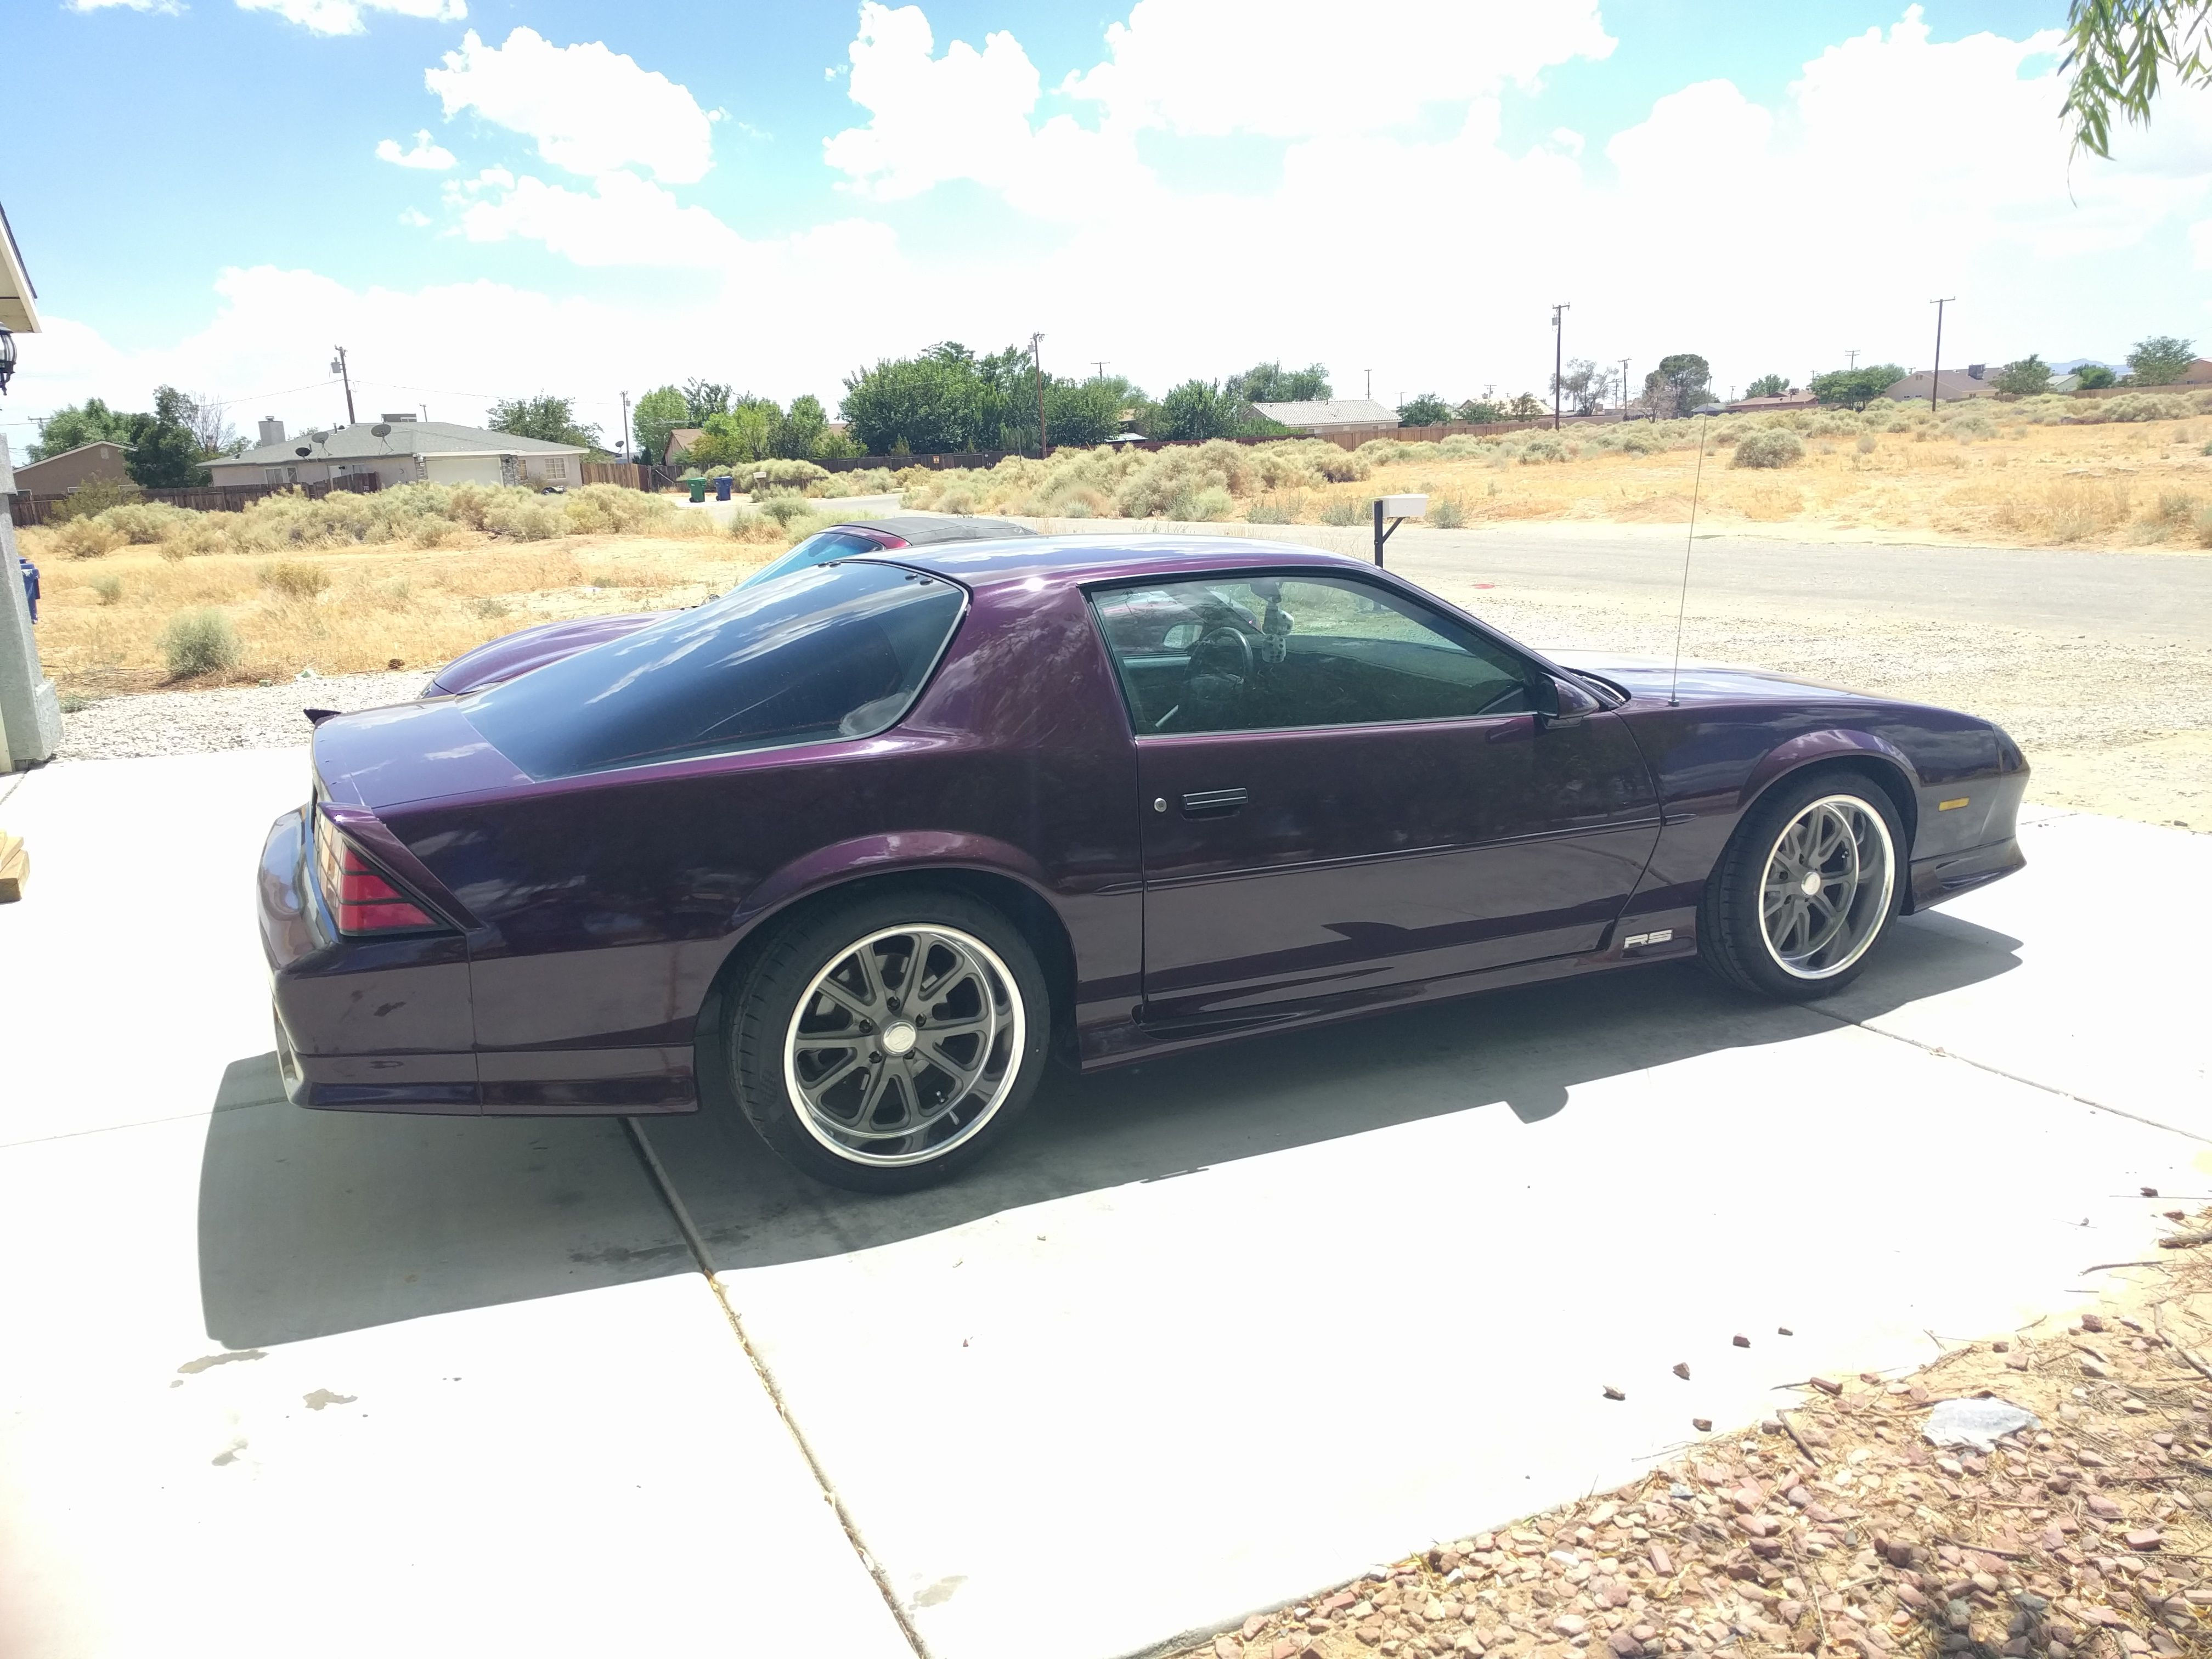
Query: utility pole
pixel 338 368
pixel 1037 365
pixel 1851 357
pixel 1624 390
pixel 625 397
pixel 1935 374
pixel 1559 360
pixel 1370 383
pixel 1099 363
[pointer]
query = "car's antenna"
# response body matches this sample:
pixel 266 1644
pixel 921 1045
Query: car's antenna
pixel 1674 680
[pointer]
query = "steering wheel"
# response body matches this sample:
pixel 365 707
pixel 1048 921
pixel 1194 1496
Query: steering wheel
pixel 1240 663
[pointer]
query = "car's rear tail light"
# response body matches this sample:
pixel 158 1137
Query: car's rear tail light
pixel 361 900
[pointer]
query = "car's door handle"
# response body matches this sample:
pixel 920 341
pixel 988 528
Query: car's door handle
pixel 1212 802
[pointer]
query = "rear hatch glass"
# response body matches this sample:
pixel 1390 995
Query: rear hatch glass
pixel 830 651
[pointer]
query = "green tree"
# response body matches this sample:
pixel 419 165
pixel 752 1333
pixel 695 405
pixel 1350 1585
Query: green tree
pixel 658 413
pixel 1427 410
pixel 89 422
pixel 2160 360
pixel 743 432
pixel 1527 407
pixel 1081 415
pixel 551 419
pixel 1767 386
pixel 2094 377
pixel 799 430
pixel 1678 385
pixel 1271 383
pixel 2118 51
pixel 913 405
pixel 1855 388
pixel 1198 408
pixel 1479 411
pixel 2026 376
pixel 165 451
pixel 702 398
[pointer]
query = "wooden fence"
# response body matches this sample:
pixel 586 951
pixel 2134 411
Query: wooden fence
pixel 28 508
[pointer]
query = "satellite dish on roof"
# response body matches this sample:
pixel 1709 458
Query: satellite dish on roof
pixel 303 450
pixel 317 437
pixel 381 429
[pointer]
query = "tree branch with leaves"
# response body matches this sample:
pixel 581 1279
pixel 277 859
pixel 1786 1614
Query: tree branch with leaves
pixel 2121 54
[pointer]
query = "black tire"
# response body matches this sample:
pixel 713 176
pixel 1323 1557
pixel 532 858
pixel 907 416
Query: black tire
pixel 1733 941
pixel 766 1031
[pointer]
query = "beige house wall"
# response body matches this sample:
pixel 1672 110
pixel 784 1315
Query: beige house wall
pixel 66 472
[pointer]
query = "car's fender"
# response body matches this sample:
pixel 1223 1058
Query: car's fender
pixel 864 857
pixel 1830 743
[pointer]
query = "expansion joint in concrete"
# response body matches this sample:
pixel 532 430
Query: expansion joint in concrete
pixel 693 1238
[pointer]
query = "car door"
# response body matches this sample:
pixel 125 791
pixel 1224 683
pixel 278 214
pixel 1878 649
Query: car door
pixel 1346 793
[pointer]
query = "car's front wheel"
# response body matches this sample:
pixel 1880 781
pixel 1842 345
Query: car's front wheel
pixel 884 1043
pixel 1805 889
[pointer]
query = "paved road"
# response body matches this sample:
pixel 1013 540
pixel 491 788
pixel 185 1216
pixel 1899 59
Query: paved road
pixel 1197 1342
pixel 2140 597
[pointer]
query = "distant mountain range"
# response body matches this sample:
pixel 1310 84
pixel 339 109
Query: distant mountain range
pixel 2074 363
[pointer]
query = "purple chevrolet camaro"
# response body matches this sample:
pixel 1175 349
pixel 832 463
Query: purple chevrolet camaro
pixel 855 850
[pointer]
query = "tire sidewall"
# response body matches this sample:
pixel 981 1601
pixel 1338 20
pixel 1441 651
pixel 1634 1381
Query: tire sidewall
pixel 768 996
pixel 1732 919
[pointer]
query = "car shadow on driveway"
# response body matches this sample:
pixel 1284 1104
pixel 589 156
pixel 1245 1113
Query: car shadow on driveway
pixel 1521 1050
pixel 314 1223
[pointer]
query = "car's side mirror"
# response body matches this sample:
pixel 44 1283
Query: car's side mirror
pixel 1560 702
pixel 1544 695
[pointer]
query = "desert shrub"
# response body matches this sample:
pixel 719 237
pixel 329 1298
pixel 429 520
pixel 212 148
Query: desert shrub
pixel 2204 526
pixel 1970 424
pixel 144 523
pixel 1866 444
pixel 610 508
pixel 1778 446
pixel 93 497
pixel 431 530
pixel 293 579
pixel 2176 506
pixel 109 588
pixel 958 499
pixel 866 481
pixel 2139 406
pixel 1445 513
pixel 1544 449
pixel 787 510
pixel 1343 510
pixel 85 538
pixel 1275 509
pixel 1211 504
pixel 200 643
pixel 1833 423
pixel 521 516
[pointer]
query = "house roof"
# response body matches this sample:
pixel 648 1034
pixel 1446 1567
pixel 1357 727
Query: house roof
pixel 64 454
pixel 19 300
pixel 1331 411
pixel 359 442
pixel 1950 383
pixel 681 438
pixel 1793 398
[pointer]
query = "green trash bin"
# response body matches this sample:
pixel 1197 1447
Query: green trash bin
pixel 698 488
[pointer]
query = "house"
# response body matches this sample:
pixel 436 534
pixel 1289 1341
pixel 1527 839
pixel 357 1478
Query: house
pixel 59 474
pixel 1328 414
pixel 1794 398
pixel 682 440
pixel 401 449
pixel 1954 384
pixel 2197 374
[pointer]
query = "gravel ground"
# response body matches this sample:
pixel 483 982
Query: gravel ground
pixel 1835 1528
pixel 235 717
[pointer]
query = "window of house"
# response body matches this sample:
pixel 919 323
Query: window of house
pixel 1259 653
pixel 556 466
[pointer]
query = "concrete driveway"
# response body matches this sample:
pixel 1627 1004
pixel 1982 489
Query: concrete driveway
pixel 1214 1331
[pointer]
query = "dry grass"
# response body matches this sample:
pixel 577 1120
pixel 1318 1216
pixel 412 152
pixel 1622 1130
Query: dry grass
pixel 1834 1530
pixel 347 610
pixel 2016 475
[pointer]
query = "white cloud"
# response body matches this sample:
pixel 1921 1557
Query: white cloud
pixel 433 157
pixel 345 17
pixel 1305 67
pixel 588 109
pixel 414 218
pixel 622 221
pixel 966 115
pixel 166 8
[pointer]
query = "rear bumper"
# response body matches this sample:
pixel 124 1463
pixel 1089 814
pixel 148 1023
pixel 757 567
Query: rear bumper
pixel 387 1025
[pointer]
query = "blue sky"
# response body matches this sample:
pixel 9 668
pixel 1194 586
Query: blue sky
pixel 778 193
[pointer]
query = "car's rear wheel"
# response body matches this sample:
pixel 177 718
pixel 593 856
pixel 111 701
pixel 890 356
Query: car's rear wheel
pixel 885 1044
pixel 1806 888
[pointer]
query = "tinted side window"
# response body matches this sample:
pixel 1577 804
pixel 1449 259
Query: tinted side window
pixel 1264 654
pixel 831 651
pixel 815 550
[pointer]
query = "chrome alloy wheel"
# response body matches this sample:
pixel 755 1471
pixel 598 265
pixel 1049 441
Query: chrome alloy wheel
pixel 904 1046
pixel 1826 889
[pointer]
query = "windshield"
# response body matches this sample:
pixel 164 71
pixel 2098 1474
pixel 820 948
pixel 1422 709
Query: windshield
pixel 815 550
pixel 828 651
